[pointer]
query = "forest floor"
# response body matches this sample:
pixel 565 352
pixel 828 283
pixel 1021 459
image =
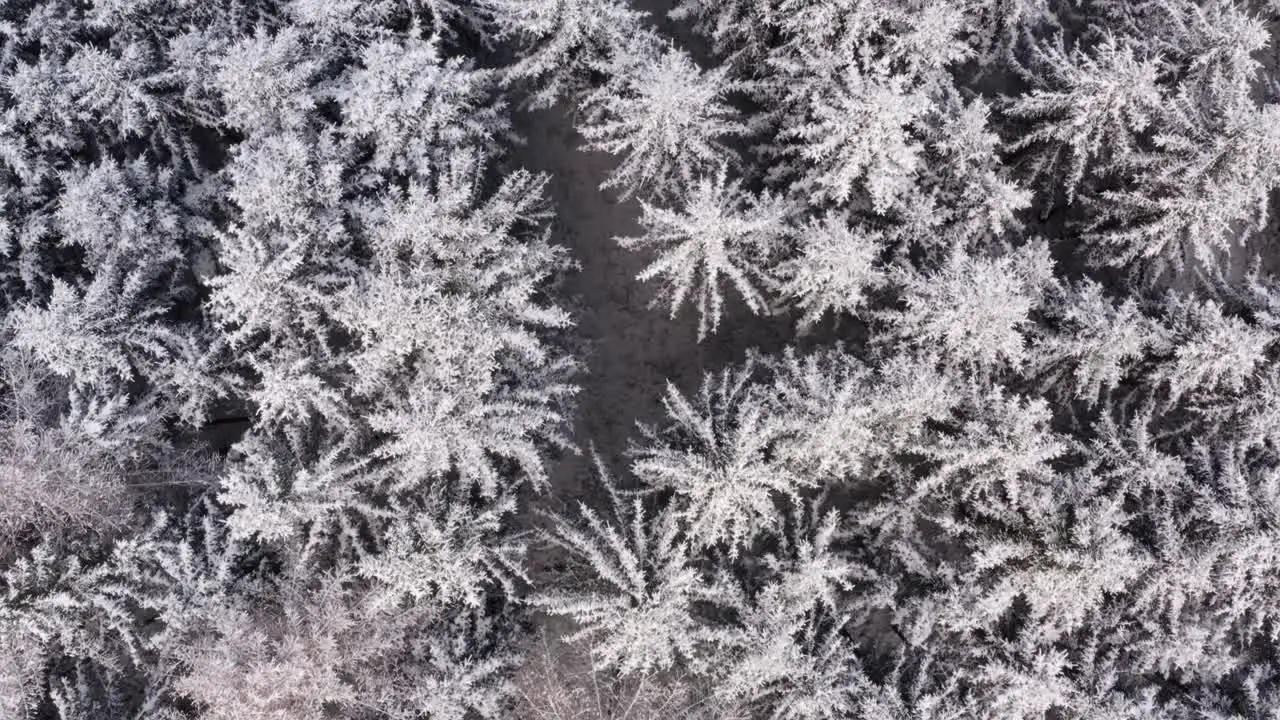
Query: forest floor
pixel 632 348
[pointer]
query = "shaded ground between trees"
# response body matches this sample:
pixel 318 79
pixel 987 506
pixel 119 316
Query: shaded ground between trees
pixel 632 347
pixel 631 350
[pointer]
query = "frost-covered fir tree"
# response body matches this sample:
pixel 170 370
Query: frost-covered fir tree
pixel 563 42
pixel 668 120
pixel 724 234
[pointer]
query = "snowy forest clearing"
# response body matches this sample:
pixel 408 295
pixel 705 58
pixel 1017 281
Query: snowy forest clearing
pixel 705 360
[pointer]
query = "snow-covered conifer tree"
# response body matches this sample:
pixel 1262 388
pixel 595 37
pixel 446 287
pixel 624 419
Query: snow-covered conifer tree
pixel 667 119
pixel 720 456
pixel 723 233
pixel 640 608
pixel 1087 109
pixel 565 41
pixel 975 310
pixel 837 267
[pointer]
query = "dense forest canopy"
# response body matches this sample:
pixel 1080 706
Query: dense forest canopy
pixel 292 361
